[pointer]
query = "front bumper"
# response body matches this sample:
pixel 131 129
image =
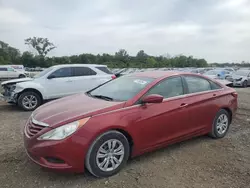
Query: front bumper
pixel 69 152
pixel 237 83
pixel 12 98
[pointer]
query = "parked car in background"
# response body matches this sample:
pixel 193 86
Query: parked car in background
pixel 218 74
pixel 55 82
pixel 7 72
pixel 127 117
pixel 240 77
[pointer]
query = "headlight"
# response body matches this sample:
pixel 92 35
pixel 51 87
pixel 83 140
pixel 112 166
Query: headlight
pixel 63 131
pixel 239 79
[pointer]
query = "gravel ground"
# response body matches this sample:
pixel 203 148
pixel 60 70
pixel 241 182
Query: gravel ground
pixel 199 162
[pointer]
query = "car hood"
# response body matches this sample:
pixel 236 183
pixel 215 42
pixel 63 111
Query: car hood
pixel 14 81
pixel 72 108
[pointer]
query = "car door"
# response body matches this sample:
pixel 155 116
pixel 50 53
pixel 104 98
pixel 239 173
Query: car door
pixel 3 72
pixel 84 79
pixel 59 83
pixel 202 96
pixel 159 123
pixel 12 73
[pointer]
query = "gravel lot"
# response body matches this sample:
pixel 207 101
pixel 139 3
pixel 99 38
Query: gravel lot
pixel 200 162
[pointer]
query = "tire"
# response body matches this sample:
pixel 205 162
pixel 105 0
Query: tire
pixel 21 76
pixel 91 161
pixel 219 130
pixel 244 84
pixel 25 97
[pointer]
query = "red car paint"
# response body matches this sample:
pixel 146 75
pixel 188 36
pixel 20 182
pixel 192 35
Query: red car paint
pixel 149 126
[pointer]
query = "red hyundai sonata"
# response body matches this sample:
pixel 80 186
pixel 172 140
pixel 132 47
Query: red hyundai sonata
pixel 127 117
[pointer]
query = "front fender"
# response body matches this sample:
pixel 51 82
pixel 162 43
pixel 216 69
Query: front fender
pixel 20 87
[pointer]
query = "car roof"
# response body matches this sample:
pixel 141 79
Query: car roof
pixel 159 74
pixel 79 65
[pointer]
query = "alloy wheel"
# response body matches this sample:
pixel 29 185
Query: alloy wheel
pixel 222 124
pixel 29 101
pixel 110 155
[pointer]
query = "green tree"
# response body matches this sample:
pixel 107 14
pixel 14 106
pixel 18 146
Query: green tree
pixel 41 45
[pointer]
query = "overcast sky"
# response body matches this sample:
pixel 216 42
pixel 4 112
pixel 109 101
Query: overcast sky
pixel 217 30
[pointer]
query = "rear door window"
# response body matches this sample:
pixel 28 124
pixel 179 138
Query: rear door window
pixel 83 71
pixel 104 69
pixel 197 84
pixel 63 72
pixel 214 86
pixel 169 87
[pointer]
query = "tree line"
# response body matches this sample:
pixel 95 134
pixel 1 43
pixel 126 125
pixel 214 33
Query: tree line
pixel 121 59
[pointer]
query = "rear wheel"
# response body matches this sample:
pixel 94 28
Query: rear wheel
pixel 244 84
pixel 29 100
pixel 107 154
pixel 221 124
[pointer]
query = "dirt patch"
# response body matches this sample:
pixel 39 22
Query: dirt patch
pixel 199 162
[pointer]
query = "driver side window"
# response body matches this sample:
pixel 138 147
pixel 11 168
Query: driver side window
pixel 169 87
pixel 62 72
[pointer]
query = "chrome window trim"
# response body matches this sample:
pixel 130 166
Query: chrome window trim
pixel 33 120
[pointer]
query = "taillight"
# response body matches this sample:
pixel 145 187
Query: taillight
pixel 235 94
pixel 113 77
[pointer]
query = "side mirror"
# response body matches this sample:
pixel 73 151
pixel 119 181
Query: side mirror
pixel 51 76
pixel 154 98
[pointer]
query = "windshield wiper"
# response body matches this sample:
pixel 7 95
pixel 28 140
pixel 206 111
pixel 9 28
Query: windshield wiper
pixel 103 97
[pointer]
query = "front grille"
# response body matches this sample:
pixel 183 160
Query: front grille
pixel 32 129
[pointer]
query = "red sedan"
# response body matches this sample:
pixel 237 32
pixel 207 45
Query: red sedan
pixel 127 117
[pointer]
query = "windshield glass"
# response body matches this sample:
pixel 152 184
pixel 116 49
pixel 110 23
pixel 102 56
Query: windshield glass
pixel 242 72
pixel 123 88
pixel 40 74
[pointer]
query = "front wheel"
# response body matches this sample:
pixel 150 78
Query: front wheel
pixel 244 84
pixel 107 154
pixel 220 125
pixel 21 76
pixel 29 100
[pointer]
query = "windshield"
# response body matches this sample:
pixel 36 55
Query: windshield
pixel 242 72
pixel 123 88
pixel 40 74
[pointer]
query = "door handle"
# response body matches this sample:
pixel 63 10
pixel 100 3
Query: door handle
pixel 214 95
pixel 183 105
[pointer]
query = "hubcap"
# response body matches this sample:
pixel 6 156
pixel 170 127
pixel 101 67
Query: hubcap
pixel 110 155
pixel 29 101
pixel 222 124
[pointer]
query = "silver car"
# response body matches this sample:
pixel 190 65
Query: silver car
pixel 240 78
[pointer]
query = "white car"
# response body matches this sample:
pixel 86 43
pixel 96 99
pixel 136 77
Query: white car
pixel 55 82
pixel 7 72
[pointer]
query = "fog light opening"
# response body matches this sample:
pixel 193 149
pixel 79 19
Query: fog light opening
pixel 54 160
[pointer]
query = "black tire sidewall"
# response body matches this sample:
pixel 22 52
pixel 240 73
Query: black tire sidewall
pixel 215 132
pixel 21 76
pixel 20 98
pixel 91 156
